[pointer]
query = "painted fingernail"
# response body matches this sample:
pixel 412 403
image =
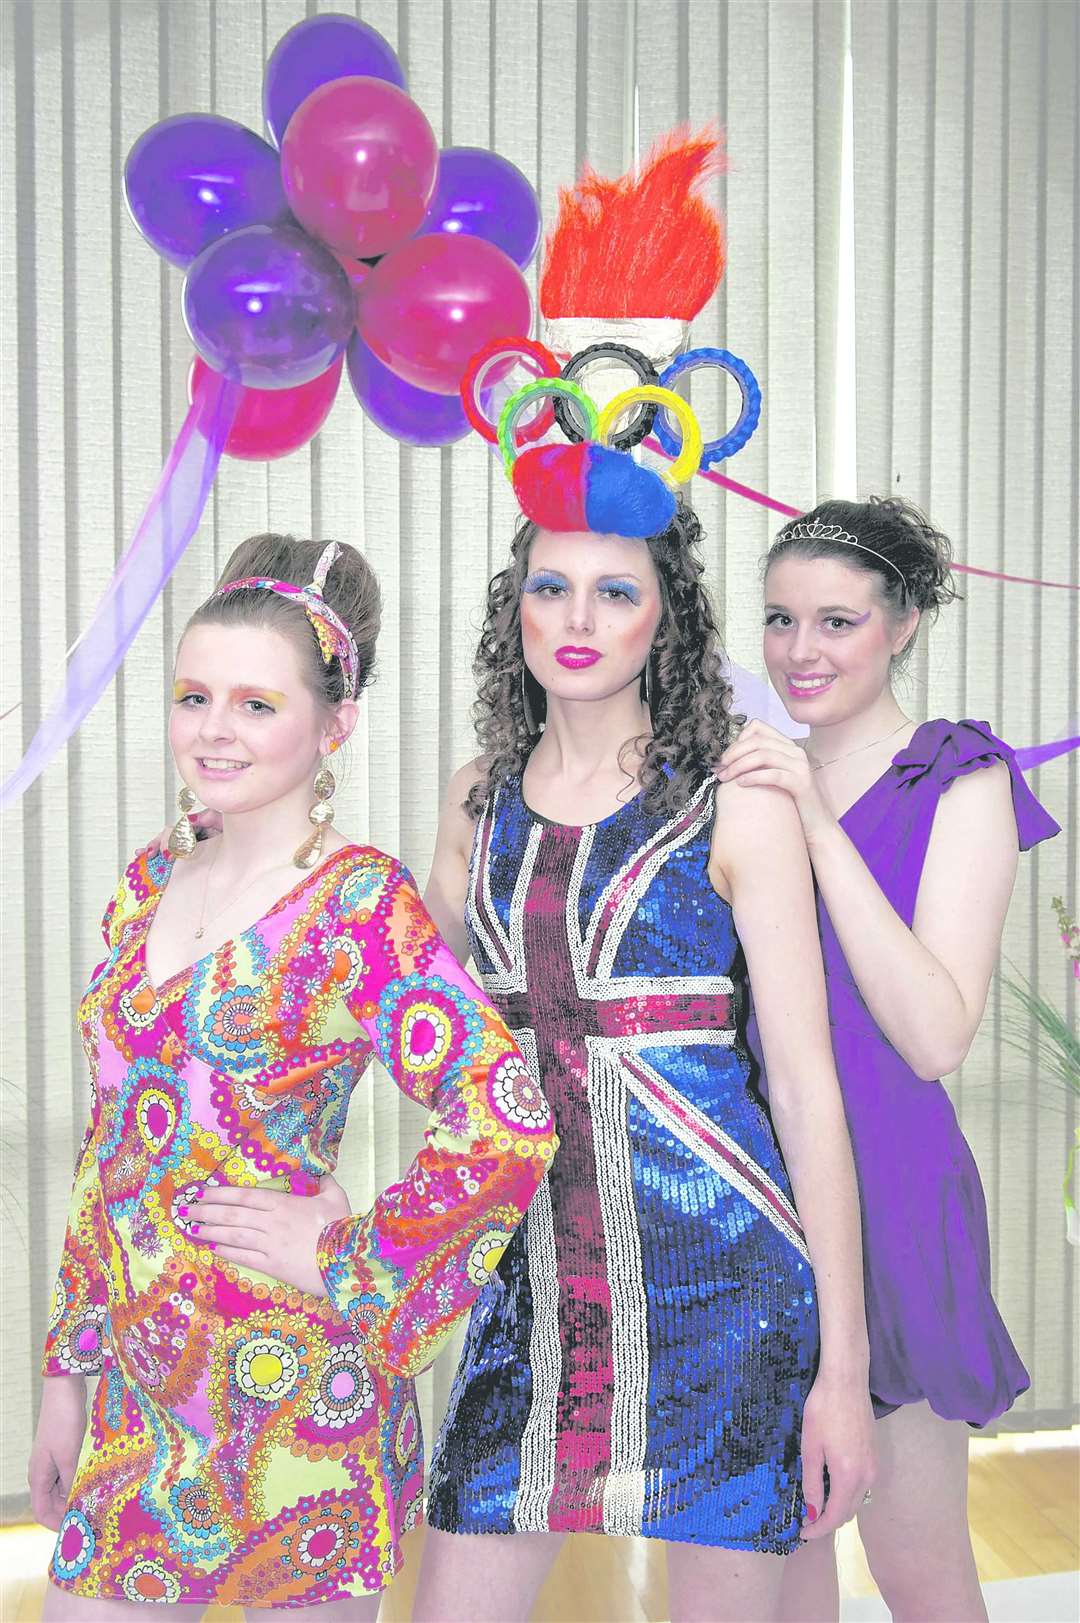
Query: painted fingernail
pixel 194 1227
pixel 811 1513
pixel 182 1211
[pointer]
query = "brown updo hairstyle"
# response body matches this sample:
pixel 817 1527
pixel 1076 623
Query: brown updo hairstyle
pixel 351 590
pixel 690 697
pixel 920 555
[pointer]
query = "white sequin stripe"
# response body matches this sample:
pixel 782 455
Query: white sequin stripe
pixel 573 897
pixel 641 1042
pixel 624 1486
pixel 537 1451
pixel 665 846
pixel 684 1131
pixel 620 987
pixel 517 906
pixel 501 980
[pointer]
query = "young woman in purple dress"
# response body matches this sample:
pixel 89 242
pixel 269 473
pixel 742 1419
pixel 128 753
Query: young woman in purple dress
pixel 913 833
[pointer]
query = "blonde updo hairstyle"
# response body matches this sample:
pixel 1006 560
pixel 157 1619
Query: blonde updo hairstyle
pixel 351 590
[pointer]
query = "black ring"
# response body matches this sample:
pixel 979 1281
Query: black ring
pixel 640 424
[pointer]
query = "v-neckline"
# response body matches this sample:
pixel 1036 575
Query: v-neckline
pixel 183 974
pixel 883 774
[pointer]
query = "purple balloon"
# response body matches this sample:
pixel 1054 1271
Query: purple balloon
pixel 315 51
pixel 191 179
pixel 410 415
pixel 479 194
pixel 268 306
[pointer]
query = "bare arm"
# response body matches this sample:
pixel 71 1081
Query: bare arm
pixel 758 849
pixel 449 878
pixel 925 986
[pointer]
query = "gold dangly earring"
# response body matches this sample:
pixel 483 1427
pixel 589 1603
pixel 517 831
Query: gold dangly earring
pixel 321 814
pixel 182 841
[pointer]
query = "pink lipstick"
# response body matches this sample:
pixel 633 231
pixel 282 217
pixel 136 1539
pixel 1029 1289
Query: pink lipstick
pixel 577 659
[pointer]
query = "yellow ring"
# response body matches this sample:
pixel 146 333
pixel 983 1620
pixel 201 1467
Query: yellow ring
pixel 689 458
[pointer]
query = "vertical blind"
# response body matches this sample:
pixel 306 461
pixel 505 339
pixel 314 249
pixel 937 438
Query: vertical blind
pixel 965 170
pixel 968 368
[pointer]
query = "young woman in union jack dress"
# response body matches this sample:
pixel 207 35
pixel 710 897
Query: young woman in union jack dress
pixel 675 1344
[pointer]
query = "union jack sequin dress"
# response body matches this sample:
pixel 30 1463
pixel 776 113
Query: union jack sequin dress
pixel 642 1362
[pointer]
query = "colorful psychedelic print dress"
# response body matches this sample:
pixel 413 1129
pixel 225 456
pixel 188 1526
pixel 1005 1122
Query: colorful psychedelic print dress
pixel 250 1444
pixel 642 1362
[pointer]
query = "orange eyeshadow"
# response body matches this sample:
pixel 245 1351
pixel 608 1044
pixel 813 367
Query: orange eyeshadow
pixel 270 695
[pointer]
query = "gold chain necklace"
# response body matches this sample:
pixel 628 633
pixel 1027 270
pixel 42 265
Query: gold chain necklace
pixel 816 766
pixel 203 920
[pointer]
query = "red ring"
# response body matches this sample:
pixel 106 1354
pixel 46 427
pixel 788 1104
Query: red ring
pixel 506 346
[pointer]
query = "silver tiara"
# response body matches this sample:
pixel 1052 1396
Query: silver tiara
pixel 813 530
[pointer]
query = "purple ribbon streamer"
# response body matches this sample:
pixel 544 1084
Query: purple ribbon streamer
pixel 171 518
pixel 1038 754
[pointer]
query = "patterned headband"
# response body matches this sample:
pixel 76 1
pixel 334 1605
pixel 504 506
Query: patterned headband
pixel 333 635
pixel 814 530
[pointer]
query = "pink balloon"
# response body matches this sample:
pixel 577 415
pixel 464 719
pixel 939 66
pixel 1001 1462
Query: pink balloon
pixel 429 306
pixel 272 422
pixel 358 163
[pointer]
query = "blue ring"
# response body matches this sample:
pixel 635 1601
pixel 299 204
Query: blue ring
pixel 749 417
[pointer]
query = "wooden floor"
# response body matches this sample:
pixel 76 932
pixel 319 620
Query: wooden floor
pixel 1024 1491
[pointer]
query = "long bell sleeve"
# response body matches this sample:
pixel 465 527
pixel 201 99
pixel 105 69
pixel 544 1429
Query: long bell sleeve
pixel 404 1273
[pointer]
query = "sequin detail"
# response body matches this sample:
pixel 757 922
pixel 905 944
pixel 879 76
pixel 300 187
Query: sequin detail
pixel 643 1366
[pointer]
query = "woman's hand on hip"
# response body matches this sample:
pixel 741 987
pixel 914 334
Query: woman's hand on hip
pixel 837 1434
pixel 269 1230
pixel 761 755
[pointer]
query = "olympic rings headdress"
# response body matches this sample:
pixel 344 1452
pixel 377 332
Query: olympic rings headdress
pixel 627 266
pixel 591 482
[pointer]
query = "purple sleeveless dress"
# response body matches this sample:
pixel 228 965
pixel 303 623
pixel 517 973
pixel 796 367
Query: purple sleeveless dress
pixel 935 1331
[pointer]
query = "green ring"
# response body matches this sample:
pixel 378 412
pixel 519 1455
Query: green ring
pixel 526 393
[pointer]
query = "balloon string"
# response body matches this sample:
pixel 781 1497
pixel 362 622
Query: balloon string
pixel 763 500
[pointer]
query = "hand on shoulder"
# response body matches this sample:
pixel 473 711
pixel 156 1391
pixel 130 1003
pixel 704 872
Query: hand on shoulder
pixel 763 758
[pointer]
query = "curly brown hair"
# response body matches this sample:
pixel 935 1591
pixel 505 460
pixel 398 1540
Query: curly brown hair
pixel 692 723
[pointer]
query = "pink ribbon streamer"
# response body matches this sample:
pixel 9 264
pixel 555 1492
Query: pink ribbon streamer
pixel 762 500
pixel 168 524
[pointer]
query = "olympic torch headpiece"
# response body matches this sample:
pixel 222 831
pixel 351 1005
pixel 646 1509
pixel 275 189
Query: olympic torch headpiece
pixel 627 266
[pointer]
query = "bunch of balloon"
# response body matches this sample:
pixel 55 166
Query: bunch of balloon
pixel 348 230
